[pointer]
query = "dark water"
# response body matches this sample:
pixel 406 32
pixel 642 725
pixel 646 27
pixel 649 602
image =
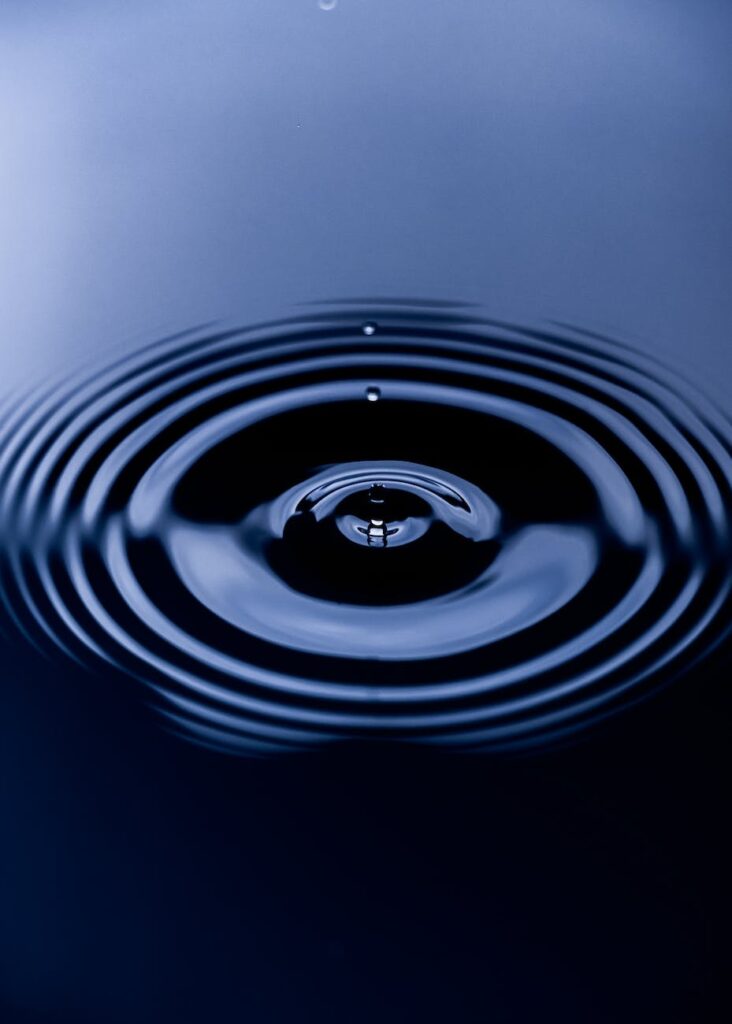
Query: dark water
pixel 449 574
pixel 422 526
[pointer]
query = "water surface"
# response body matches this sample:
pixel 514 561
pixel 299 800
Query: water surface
pixel 189 170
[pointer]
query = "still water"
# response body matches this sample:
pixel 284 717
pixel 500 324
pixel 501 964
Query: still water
pixel 365 493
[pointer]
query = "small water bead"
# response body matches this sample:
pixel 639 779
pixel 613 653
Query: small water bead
pixel 373 394
pixel 327 5
pixel 377 494
pixel 369 328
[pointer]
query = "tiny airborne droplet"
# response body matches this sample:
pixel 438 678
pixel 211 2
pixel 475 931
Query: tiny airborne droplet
pixel 376 494
pixel 373 394
pixel 369 328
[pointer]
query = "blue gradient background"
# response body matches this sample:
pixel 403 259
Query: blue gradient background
pixel 172 163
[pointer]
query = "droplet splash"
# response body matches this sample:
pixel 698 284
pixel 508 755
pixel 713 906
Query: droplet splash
pixel 531 533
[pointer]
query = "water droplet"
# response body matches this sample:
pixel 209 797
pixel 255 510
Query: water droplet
pixel 373 394
pixel 376 494
pixel 327 5
pixel 369 328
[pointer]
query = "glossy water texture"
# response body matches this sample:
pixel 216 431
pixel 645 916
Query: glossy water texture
pixel 365 521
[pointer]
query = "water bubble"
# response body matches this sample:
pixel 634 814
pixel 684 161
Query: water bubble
pixel 369 328
pixel 373 394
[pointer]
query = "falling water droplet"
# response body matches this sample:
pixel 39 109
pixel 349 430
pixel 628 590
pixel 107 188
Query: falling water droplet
pixel 369 328
pixel 376 494
pixel 373 394
pixel 327 5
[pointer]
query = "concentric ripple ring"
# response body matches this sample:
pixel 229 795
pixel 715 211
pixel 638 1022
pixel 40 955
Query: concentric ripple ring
pixel 393 523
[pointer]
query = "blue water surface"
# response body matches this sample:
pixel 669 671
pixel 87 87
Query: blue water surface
pixel 207 165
